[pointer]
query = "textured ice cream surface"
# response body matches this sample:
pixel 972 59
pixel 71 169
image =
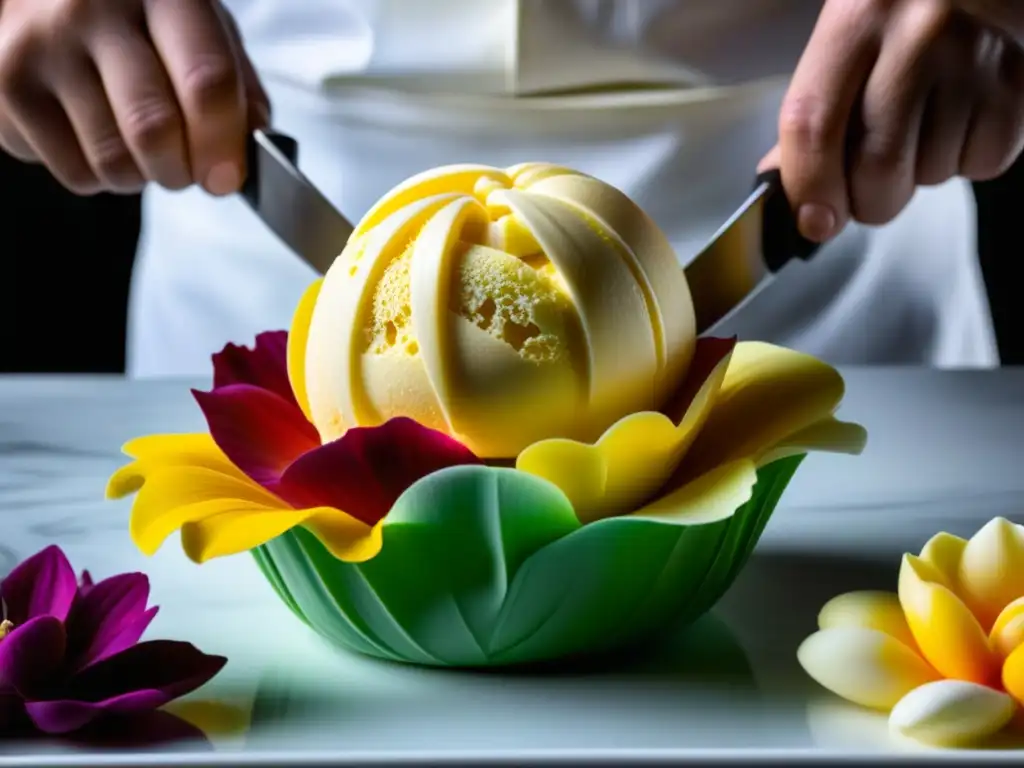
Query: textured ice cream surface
pixel 500 306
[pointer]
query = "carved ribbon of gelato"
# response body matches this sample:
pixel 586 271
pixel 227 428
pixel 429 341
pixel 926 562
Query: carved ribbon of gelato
pixel 502 307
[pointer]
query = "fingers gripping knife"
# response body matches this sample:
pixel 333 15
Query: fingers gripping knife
pixel 742 258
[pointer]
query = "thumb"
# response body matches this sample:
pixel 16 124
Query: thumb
pixel 258 101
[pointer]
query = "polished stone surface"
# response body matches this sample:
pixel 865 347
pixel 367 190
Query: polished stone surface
pixel 944 453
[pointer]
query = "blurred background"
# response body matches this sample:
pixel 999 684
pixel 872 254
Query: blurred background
pixel 80 252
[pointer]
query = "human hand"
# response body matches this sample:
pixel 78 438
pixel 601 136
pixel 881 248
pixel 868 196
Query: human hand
pixel 112 94
pixel 890 95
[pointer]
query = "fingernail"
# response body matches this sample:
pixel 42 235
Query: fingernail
pixel 816 222
pixel 223 179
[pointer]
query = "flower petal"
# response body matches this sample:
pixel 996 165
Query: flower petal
pixel 259 431
pixel 952 712
pixel 1013 674
pixel 145 676
pixel 43 585
pixel 174 496
pixel 829 435
pixel 140 730
pixel 156 452
pixel 768 394
pixel 263 366
pixel 111 617
pixel 1008 630
pixel 31 654
pixel 864 666
pixel 298 338
pixel 636 455
pixel 233 532
pixel 712 497
pixel 992 569
pixel 870 610
pixel 365 470
pixel 943 553
pixel 948 635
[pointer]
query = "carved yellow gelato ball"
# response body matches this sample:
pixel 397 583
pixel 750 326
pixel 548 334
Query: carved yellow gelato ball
pixel 502 307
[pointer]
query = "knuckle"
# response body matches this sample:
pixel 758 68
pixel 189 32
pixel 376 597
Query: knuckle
pixel 211 83
pixel 72 14
pixel 110 158
pixel 78 179
pixel 884 150
pixel 16 53
pixel 151 124
pixel 806 121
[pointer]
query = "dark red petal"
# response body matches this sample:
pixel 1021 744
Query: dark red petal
pixel 109 618
pixel 155 670
pixel 264 366
pixel 85 583
pixel 140 730
pixel 365 470
pixel 260 432
pixel 31 655
pixel 42 585
pixel 706 357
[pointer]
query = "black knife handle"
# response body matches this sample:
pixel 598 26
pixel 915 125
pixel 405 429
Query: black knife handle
pixel 781 238
pixel 285 144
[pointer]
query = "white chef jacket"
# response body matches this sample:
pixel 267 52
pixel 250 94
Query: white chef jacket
pixel 672 101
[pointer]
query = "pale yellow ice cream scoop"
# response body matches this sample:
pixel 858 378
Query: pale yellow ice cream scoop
pixel 502 307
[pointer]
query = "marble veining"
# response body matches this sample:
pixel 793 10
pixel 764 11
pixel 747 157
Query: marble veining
pixel 944 453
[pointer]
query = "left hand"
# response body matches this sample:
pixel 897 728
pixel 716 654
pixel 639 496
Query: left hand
pixel 890 95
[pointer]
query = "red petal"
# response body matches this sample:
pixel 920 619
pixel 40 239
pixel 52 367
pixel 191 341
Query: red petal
pixel 365 470
pixel 31 655
pixel 110 617
pixel 706 357
pixel 259 431
pixel 264 366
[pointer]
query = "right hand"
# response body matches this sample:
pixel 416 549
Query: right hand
pixel 112 94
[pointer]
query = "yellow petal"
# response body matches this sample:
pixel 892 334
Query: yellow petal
pixel 948 635
pixel 992 569
pixel 1013 674
pixel 155 452
pixel 768 394
pixel 298 336
pixel 631 460
pixel 712 497
pixel 828 435
pixel 952 712
pixel 214 718
pixel 864 666
pixel 943 552
pixel 174 496
pixel 1008 630
pixel 231 533
pixel 870 610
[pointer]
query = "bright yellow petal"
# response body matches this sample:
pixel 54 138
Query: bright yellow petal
pixel 175 496
pixel 298 336
pixel 1007 633
pixel 630 461
pixel 864 666
pixel 948 635
pixel 952 713
pixel 992 569
pixel 712 497
pixel 768 394
pixel 231 533
pixel 870 610
pixel 155 452
pixel 1013 674
pixel 828 436
pixel 943 552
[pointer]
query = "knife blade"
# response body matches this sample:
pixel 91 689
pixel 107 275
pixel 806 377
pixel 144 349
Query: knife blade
pixel 289 204
pixel 745 254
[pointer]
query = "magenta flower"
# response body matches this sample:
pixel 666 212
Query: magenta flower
pixel 70 652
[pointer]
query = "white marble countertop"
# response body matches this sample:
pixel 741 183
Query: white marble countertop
pixel 944 454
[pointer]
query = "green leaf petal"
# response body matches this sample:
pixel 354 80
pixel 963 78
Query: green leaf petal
pixel 485 566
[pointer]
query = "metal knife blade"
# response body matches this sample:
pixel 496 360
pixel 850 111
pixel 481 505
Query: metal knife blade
pixel 746 253
pixel 289 204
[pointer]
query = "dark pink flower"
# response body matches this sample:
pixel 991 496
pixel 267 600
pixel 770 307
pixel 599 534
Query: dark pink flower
pixel 70 654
